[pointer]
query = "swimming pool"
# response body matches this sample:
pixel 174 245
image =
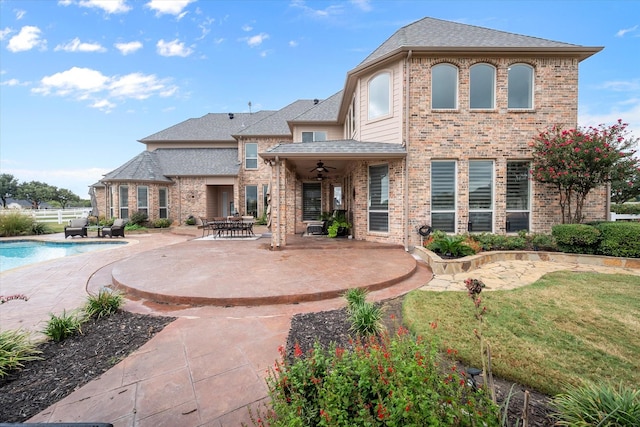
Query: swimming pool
pixel 17 253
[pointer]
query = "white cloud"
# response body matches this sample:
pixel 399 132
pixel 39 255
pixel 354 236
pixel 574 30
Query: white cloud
pixel 169 7
pixel 27 39
pixel 4 33
pixel 127 48
pixel 247 28
pixel 256 40
pixel 364 5
pixel 622 85
pixel 293 43
pixel 173 48
pixel 20 14
pixel 76 180
pixel 76 45
pixel 329 11
pixel 84 84
pixel 628 111
pixel 13 82
pixel 108 6
pixel 624 31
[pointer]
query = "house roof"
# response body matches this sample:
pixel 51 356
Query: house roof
pixel 436 34
pixel 276 124
pixel 325 111
pixel 335 149
pixel 210 127
pixel 162 163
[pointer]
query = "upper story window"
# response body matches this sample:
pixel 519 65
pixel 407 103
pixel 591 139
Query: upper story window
pixel 379 96
pixel 444 87
pixel 251 155
pixel 482 89
pixel 520 86
pixel 314 136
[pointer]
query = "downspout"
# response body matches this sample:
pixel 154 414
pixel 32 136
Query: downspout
pixel 278 237
pixel 179 200
pixel 406 159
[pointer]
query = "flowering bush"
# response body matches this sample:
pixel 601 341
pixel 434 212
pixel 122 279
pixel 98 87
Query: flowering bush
pixel 383 381
pixel 576 161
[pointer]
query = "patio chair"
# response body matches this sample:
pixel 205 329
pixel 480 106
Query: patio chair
pixel 117 229
pixel 76 227
pixel 205 224
pixel 247 225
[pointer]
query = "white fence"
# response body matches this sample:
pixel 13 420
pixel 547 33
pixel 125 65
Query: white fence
pixel 624 217
pixel 53 215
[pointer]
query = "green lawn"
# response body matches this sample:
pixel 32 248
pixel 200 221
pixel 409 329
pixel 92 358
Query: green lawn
pixel 565 327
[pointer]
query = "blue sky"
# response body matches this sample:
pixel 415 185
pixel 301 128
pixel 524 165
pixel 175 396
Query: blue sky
pixel 81 81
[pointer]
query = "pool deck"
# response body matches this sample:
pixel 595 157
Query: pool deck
pixel 209 365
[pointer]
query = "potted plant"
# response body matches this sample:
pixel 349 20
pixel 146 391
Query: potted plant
pixel 339 226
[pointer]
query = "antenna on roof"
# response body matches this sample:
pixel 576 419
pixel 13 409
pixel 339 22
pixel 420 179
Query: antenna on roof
pixel 249 107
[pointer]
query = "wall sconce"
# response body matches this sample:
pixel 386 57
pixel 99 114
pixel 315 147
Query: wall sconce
pixel 270 162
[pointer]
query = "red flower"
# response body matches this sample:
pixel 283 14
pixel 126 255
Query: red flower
pixel 297 351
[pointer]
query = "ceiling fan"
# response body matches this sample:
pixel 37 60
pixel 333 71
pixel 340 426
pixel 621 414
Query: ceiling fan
pixel 320 167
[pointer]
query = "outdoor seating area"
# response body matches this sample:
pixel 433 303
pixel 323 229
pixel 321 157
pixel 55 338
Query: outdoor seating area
pixel 116 230
pixel 76 227
pixel 231 226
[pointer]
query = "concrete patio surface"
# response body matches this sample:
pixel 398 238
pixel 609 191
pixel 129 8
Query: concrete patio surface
pixel 207 367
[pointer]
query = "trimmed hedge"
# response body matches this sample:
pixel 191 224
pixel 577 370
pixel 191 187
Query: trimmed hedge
pixel 576 238
pixel 626 209
pixel 619 239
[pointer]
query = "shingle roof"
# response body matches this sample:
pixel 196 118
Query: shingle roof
pixel 162 163
pixel 339 147
pixel 436 33
pixel 276 123
pixel 325 111
pixel 210 127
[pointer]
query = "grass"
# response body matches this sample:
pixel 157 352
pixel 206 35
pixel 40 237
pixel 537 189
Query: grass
pixel 60 327
pixel 105 303
pixel 565 328
pixel 16 348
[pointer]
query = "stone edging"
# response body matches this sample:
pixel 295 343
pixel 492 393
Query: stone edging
pixel 462 265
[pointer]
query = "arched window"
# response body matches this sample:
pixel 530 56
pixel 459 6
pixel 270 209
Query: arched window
pixel 379 96
pixel 520 86
pixel 444 87
pixel 482 87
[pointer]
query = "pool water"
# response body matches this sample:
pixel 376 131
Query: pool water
pixel 18 253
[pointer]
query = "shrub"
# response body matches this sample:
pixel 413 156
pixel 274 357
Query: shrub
pixel 40 228
pixel 106 303
pixel 626 209
pixel 16 348
pixel 598 405
pixel 162 223
pixel 576 238
pixel 15 224
pixel 386 381
pixel 366 319
pixel 620 239
pixel 60 327
pixel 543 242
pixel 139 218
pixel 132 227
pixel 191 220
pixel 355 297
pixel 451 246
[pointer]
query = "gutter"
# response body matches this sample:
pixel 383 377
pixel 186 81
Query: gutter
pixel 406 147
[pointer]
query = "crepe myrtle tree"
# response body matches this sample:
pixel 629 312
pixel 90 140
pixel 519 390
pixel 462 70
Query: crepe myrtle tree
pixel 575 161
pixel 625 184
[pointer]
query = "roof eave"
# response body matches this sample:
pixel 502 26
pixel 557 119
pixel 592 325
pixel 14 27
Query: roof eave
pixel 333 155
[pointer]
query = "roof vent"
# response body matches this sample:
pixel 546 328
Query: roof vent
pixel 315 101
pixel 230 116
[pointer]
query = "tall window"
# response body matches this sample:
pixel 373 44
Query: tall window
pixel 482 86
pixel 124 201
pixel 111 192
pixel 379 96
pixel 251 200
pixel 443 196
pixel 520 86
pixel 518 196
pixel 163 205
pixel 311 201
pixel 251 155
pixel 379 198
pixel 481 195
pixel 444 87
pixel 143 199
pixel 314 136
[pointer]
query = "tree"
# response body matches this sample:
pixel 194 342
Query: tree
pixel 576 161
pixel 64 197
pixel 625 184
pixel 36 192
pixel 8 187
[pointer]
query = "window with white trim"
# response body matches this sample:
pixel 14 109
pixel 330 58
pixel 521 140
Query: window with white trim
pixel 480 195
pixel 379 198
pixel 143 199
pixel 482 86
pixel 163 203
pixel 444 87
pixel 380 96
pixel 251 200
pixel 518 196
pixel 311 201
pixel 520 86
pixel 443 195
pixel 251 155
pixel 314 136
pixel 124 201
